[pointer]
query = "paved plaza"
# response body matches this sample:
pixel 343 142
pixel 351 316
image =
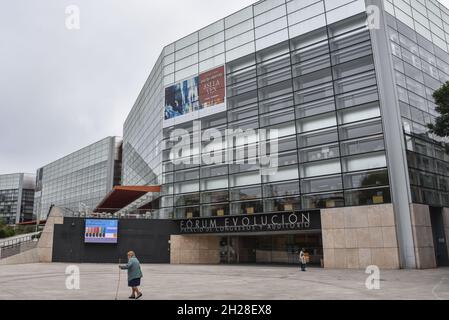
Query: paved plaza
pixel 175 282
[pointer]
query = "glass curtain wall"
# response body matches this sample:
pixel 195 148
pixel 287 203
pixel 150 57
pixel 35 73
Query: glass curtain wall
pixel 421 67
pixel 79 180
pixel 319 90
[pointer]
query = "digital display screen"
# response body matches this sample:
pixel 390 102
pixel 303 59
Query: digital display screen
pixel 101 231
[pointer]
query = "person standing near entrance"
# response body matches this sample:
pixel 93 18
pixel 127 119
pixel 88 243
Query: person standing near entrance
pixel 302 259
pixel 134 275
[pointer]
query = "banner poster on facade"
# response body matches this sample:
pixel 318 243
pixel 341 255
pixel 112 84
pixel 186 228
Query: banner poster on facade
pixel 196 97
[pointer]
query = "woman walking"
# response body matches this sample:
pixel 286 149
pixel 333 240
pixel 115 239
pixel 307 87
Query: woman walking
pixel 134 275
pixel 302 259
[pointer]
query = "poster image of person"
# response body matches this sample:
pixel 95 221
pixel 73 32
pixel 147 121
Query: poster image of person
pixel 190 95
pixel 173 101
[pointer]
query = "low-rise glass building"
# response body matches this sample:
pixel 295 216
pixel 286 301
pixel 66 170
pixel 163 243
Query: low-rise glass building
pixel 79 181
pixel 16 197
pixel 337 95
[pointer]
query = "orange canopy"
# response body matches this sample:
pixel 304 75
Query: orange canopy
pixel 122 196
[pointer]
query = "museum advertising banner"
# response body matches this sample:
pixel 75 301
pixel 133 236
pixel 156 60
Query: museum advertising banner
pixel 212 88
pixel 196 97
pixel 181 98
pixel 287 221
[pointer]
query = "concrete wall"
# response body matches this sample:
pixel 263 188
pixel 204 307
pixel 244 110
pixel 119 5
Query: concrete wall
pixel 45 245
pixel 43 253
pixel 422 237
pixel 194 249
pixel 356 237
pixel 148 238
pixel 27 257
pixel 21 248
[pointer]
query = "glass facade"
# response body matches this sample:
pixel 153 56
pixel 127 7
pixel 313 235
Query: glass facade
pixel 319 90
pixel 428 18
pixel 305 68
pixel 421 66
pixel 142 135
pixel 16 197
pixel 80 180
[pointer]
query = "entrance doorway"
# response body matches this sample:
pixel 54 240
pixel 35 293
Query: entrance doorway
pixel 271 249
pixel 439 238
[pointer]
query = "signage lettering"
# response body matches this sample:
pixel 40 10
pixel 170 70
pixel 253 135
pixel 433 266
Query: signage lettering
pixel 288 221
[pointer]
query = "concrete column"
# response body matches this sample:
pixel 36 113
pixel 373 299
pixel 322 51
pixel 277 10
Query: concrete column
pixel 394 139
pixel 45 245
pixel 19 199
pixel 423 237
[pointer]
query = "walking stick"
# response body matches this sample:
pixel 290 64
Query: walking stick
pixel 118 283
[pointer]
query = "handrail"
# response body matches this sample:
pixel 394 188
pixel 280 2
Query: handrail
pixel 132 214
pixel 19 239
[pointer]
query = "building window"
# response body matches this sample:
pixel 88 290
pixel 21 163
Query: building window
pixel 248 193
pixel 246 207
pixel 367 197
pixel 282 204
pixel 322 201
pixel 323 152
pixel 366 179
pixel 215 196
pixel 281 189
pixel 320 168
pixel 187 212
pixel 187 199
pixel 364 162
pixel 321 184
pixel 214 183
pixel 216 210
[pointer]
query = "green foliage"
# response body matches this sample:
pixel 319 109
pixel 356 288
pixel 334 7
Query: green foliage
pixel 441 126
pixel 25 229
pixel 6 231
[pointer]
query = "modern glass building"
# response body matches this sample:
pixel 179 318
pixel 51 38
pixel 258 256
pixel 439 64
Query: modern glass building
pixel 16 197
pixel 79 181
pixel 342 91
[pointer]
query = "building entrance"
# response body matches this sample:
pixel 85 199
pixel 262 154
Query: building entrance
pixel 439 238
pixel 271 249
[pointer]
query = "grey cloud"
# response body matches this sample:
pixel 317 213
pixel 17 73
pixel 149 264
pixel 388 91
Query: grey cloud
pixel 61 90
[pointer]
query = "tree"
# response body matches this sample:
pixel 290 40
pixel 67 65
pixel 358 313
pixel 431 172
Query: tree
pixel 5 230
pixel 441 126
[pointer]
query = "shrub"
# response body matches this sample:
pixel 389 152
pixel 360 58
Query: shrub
pixel 6 232
pixel 25 229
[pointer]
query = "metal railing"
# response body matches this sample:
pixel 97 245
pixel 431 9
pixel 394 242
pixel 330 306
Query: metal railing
pixel 117 214
pixel 12 246
pixel 13 241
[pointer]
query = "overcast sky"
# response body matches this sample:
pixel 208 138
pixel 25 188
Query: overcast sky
pixel 61 90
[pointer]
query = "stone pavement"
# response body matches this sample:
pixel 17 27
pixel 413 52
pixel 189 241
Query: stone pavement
pixel 99 282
